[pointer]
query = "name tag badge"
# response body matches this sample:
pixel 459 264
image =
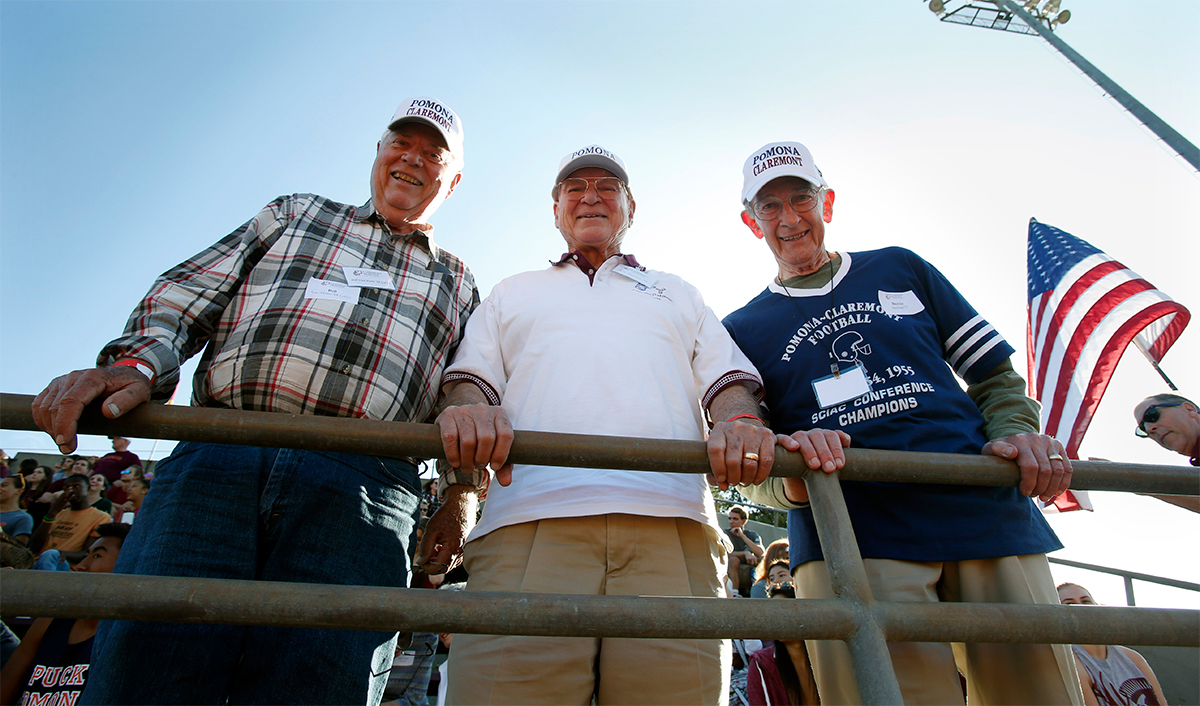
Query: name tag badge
pixel 328 289
pixel 633 273
pixel 846 385
pixel 900 303
pixel 405 659
pixel 364 277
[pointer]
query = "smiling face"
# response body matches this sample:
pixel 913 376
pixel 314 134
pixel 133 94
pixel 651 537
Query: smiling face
pixel 590 222
pixel 1177 428
pixel 413 173
pixel 796 238
pixel 97 483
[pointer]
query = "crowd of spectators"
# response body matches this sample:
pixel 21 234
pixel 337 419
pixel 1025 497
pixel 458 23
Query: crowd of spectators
pixel 72 516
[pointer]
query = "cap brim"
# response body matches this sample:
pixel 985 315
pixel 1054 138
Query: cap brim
pixel 593 160
pixel 455 149
pixel 751 190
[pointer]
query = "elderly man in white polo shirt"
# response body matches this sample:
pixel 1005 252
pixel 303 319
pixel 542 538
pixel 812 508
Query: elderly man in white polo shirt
pixel 598 344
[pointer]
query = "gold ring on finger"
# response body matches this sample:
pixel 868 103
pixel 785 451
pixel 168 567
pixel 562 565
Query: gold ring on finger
pixel 750 456
pixel 1056 457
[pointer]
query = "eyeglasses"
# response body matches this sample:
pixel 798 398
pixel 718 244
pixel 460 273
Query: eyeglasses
pixel 1150 416
pixel 606 187
pixel 801 201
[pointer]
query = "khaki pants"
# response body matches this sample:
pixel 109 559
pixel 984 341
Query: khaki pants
pixel 614 555
pixel 927 672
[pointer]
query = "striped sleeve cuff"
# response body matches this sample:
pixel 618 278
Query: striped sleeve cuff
pixel 730 378
pixel 973 342
pixel 488 391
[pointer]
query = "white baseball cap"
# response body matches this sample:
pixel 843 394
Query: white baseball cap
pixel 432 112
pixel 592 156
pixel 778 159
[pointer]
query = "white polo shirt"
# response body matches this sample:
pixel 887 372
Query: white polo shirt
pixel 627 352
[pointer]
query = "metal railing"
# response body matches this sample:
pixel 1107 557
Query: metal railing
pixel 1129 576
pixel 853 616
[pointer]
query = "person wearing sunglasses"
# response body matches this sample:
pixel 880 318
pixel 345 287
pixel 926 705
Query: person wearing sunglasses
pixel 1174 424
pixel 598 344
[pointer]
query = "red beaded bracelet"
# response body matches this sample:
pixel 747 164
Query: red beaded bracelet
pixel 745 416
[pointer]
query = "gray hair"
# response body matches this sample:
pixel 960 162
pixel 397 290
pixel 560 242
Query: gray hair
pixel 1167 397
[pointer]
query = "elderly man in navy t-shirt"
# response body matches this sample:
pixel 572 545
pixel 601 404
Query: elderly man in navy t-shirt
pixel 868 346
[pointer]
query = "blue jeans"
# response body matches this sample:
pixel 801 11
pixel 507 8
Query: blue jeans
pixel 239 512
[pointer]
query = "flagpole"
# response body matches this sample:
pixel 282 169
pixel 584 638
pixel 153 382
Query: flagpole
pixel 1153 362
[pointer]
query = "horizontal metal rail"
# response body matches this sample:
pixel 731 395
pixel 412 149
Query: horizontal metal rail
pixel 228 426
pixel 1148 578
pixel 853 616
pixel 227 602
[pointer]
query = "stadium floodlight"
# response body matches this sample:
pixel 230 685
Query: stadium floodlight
pixel 1008 16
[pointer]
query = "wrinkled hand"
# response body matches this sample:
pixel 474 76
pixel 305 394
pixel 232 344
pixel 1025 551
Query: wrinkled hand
pixel 56 410
pixel 477 435
pixel 728 445
pixel 822 449
pixel 1041 476
pixel 442 543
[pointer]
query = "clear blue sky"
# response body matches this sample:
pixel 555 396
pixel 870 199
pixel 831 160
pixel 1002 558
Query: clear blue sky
pixel 134 134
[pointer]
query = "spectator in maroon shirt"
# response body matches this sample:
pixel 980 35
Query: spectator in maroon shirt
pixel 111 465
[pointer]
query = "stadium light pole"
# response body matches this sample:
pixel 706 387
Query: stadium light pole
pixel 982 14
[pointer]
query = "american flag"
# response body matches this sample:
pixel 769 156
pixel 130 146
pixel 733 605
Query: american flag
pixel 1085 308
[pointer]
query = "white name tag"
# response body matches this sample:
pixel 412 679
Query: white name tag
pixel 636 275
pixel 900 303
pixel 846 385
pixel 328 289
pixel 363 277
pixel 404 659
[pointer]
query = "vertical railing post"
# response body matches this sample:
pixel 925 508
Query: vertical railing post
pixel 869 656
pixel 1129 591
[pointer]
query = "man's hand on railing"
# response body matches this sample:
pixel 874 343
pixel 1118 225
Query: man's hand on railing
pixel 56 410
pixel 822 449
pixel 475 433
pixel 1045 468
pixel 445 533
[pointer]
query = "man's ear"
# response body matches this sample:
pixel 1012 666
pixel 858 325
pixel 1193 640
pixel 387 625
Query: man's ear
pixel 827 209
pixel 453 184
pixel 752 225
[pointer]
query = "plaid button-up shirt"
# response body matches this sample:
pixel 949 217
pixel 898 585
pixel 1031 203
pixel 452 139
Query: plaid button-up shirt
pixel 268 347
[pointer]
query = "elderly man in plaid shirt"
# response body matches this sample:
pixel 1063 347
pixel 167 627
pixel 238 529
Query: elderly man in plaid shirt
pixel 311 307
